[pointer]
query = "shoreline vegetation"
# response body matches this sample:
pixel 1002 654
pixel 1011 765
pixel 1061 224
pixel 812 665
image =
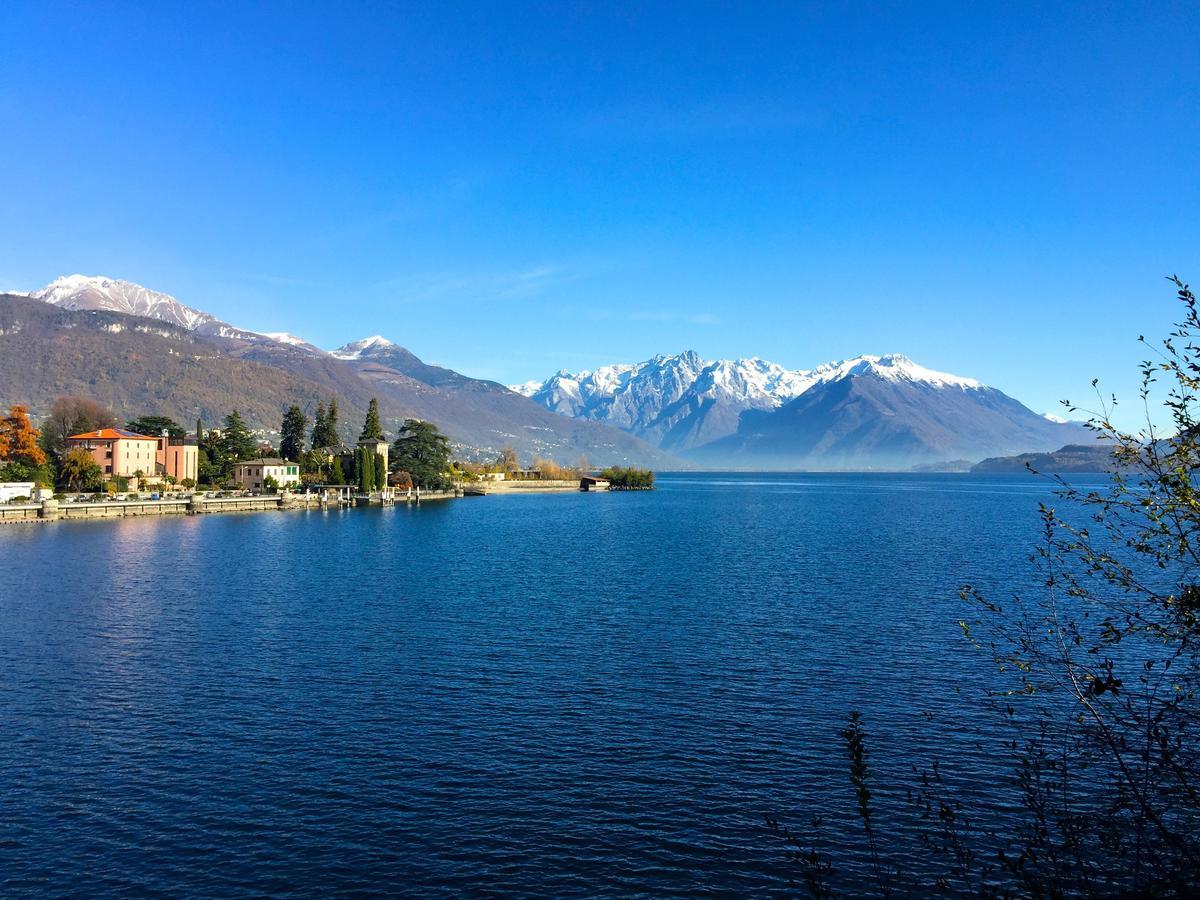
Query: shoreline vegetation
pixel 628 479
pixel 80 465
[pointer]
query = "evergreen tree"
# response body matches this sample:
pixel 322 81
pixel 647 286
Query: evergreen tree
pixel 372 428
pixel 199 430
pixel 236 441
pixel 153 426
pixel 366 469
pixel 380 472
pixel 291 437
pixel 214 466
pixel 324 433
pixel 333 439
pixel 423 452
pixel 318 432
pixel 336 474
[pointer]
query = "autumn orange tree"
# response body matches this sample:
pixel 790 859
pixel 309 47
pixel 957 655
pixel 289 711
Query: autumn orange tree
pixel 21 459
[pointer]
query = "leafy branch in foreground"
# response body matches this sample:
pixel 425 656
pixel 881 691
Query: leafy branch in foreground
pixel 1097 678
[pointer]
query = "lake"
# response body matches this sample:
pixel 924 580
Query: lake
pixel 553 694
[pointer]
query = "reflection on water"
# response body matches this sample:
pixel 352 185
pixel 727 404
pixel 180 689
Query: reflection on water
pixel 563 694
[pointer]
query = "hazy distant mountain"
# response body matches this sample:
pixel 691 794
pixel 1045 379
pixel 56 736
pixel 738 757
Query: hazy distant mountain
pixel 866 412
pixel 1093 457
pixel 887 412
pixel 142 351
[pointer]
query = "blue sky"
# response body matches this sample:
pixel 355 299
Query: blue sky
pixel 510 189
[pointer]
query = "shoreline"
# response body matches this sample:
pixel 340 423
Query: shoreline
pixel 47 511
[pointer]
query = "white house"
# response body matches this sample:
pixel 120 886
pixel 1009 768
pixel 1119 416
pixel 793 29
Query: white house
pixel 12 489
pixel 252 474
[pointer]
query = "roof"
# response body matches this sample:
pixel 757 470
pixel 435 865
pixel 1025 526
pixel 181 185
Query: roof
pixel 111 434
pixel 266 461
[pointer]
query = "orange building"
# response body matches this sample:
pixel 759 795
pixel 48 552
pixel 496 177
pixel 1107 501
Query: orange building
pixel 121 453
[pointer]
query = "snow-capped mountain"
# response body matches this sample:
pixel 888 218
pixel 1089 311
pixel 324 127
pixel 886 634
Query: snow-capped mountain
pixel 892 412
pixel 675 401
pixel 684 401
pixel 96 292
pixel 143 351
pixel 364 347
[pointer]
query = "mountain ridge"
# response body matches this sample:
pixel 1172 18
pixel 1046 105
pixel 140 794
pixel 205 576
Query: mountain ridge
pixel 105 336
pixel 863 412
pixel 752 412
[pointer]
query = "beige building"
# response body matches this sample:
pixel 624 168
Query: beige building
pixel 252 474
pixel 122 454
pixel 179 457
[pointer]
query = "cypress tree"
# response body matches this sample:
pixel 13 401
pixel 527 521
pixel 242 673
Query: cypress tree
pixel 336 474
pixel 380 472
pixel 366 470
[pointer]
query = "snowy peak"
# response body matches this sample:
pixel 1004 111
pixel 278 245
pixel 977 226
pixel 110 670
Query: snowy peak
pixel 893 367
pixel 683 400
pixel 98 292
pixel 290 340
pixel 361 348
pixel 752 380
pixel 526 389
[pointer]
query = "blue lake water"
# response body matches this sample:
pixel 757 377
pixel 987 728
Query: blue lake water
pixel 550 694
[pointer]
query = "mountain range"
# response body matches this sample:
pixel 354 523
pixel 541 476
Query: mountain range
pixel 145 352
pixel 862 413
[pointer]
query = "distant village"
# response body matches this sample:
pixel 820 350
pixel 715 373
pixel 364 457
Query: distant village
pixel 79 449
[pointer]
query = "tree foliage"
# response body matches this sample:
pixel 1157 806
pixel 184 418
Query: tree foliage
pixel 19 439
pixel 291 433
pixel 212 466
pixel 424 453
pixel 365 468
pixel 628 478
pixel 507 460
pixel 154 426
pixel 372 427
pixel 73 415
pixel 380 471
pixel 325 433
pixel 236 441
pixel 78 471
pixel 1098 679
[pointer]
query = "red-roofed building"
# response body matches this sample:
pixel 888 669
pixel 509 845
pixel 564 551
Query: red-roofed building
pixel 122 454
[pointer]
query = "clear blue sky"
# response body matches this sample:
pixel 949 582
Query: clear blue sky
pixel 510 189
